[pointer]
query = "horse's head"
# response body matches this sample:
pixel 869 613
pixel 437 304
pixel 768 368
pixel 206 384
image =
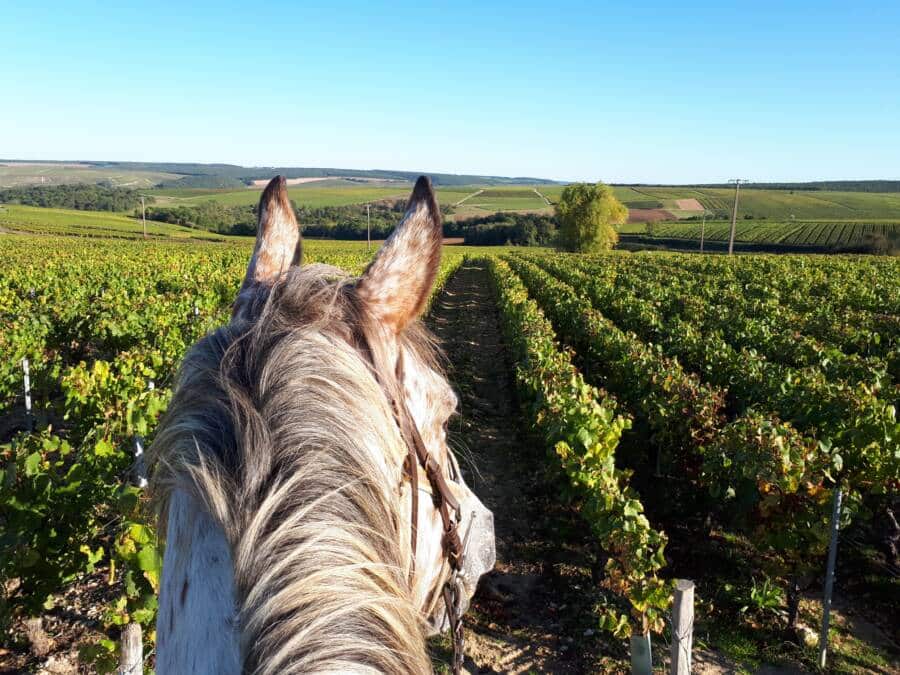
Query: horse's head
pixel 377 317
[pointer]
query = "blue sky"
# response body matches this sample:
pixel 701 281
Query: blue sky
pixel 653 92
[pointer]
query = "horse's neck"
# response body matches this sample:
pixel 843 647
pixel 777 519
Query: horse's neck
pixel 196 626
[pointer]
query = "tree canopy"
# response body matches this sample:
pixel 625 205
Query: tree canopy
pixel 84 197
pixel 587 216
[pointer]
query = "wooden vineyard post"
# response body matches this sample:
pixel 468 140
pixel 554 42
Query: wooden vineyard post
pixel 641 656
pixel 682 627
pixel 131 660
pixel 26 381
pixel 829 576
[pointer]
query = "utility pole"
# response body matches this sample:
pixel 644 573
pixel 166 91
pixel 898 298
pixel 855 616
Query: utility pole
pixel 368 230
pixel 143 216
pixel 703 231
pixel 737 188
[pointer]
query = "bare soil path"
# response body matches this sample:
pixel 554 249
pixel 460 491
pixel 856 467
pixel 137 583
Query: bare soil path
pixel 468 196
pixel 542 196
pixel 531 614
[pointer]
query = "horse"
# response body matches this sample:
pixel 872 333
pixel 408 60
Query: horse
pixel 287 470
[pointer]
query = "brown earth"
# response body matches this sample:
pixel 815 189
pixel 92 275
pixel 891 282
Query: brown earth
pixel 689 205
pixel 49 644
pixel 533 613
pixel 648 215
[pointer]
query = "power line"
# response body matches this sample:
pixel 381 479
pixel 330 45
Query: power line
pixel 143 217
pixel 703 230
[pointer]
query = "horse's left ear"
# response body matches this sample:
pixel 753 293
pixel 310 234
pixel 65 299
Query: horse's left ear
pixel 278 244
pixel 396 285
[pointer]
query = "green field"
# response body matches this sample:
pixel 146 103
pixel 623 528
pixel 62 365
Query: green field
pixel 453 195
pixel 780 204
pixel 310 194
pixel 35 220
pixel 765 232
pixel 15 175
pixel 479 200
pixel 485 201
pixel 814 217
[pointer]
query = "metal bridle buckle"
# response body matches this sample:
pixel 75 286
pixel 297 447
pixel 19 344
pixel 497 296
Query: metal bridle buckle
pixel 453 593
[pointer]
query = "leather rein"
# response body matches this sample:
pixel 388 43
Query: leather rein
pixel 446 504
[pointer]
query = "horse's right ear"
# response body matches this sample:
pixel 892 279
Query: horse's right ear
pixel 396 285
pixel 278 244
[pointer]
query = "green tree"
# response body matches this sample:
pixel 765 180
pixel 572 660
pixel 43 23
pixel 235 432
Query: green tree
pixel 587 216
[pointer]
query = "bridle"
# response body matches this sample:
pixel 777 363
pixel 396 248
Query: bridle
pixel 419 458
pixel 447 506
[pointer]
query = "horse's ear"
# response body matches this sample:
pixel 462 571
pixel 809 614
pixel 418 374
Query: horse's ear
pixel 396 285
pixel 278 244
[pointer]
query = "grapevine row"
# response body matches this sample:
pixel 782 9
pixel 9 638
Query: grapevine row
pixel 104 328
pixel 767 478
pixel 581 424
pixel 861 430
pixel 745 320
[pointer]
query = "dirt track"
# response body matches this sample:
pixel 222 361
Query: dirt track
pixel 531 613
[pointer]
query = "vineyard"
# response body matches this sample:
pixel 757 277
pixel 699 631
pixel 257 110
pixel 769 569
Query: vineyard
pixel 36 220
pixel 762 384
pixel 681 403
pixel 814 234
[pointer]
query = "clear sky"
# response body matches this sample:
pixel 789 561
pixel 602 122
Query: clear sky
pixel 628 91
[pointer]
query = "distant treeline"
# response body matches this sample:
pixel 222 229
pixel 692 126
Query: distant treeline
pixel 210 215
pixel 881 243
pixel 82 197
pixel 326 222
pixel 518 229
pixel 349 222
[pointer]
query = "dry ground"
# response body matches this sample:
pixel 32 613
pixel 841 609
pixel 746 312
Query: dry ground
pixel 533 613
pixel 648 215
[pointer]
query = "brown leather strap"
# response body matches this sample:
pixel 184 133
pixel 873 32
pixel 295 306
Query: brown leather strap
pixel 444 501
pixel 443 497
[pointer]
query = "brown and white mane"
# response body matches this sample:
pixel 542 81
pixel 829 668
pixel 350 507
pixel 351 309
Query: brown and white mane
pixel 279 468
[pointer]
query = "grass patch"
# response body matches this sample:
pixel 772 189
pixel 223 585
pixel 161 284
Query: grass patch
pixel 37 220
